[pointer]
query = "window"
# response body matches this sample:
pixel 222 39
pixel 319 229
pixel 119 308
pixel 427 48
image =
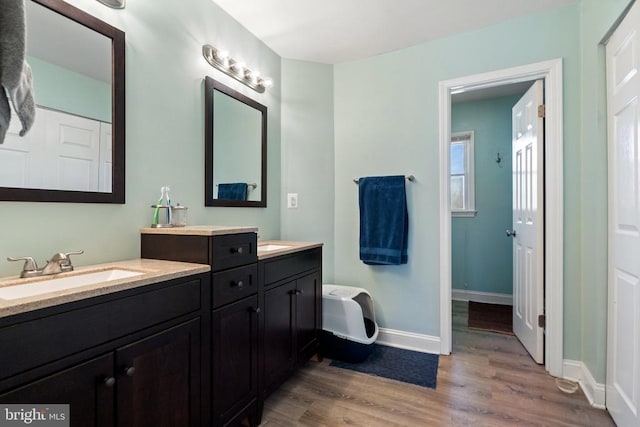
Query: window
pixel 463 201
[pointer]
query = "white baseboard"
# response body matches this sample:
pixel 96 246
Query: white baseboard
pixel 409 340
pixel 576 370
pixel 477 296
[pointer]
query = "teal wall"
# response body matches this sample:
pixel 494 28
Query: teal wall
pixel 165 74
pixel 597 18
pixel 65 90
pixel 308 155
pixel 481 253
pixel 386 122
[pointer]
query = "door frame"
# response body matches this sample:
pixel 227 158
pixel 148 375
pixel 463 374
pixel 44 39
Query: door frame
pixel 551 72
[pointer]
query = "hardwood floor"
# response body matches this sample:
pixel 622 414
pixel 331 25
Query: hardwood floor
pixel 489 380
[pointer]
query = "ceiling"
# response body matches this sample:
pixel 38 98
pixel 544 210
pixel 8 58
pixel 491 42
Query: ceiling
pixel 491 92
pixel 335 31
pixel 74 46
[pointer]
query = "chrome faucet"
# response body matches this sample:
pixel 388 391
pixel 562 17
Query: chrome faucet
pixel 59 263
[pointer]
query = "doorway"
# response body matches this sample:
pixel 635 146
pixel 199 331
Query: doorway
pixel 551 73
pixel 497 209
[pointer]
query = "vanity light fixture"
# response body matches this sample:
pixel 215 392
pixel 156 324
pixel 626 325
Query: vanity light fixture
pixel 220 59
pixel 116 4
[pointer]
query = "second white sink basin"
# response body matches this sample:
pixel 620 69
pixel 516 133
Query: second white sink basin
pixel 54 284
pixel 267 248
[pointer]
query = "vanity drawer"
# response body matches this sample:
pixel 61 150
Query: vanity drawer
pixel 233 250
pixel 175 248
pixel 282 267
pixel 65 333
pixel 231 285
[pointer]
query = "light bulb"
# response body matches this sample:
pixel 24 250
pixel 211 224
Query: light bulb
pixel 221 54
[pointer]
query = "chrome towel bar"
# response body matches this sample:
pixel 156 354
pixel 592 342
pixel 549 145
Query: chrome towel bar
pixel 409 177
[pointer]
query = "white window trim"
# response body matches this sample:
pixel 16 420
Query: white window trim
pixel 470 194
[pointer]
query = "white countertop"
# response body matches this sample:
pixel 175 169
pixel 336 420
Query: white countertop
pixel 154 271
pixel 292 247
pixel 200 230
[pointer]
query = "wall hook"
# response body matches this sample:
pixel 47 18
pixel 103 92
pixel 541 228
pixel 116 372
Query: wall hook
pixel 498 158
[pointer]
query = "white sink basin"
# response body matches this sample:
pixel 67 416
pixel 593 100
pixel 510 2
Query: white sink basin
pixel 267 248
pixel 63 283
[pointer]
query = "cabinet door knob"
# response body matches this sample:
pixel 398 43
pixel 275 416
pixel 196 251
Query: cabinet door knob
pixel 129 371
pixel 236 250
pixel 299 291
pixel 254 310
pixel 109 381
pixel 237 284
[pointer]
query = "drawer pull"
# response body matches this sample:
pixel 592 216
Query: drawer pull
pixel 129 371
pixel 236 250
pixel 109 382
pixel 237 284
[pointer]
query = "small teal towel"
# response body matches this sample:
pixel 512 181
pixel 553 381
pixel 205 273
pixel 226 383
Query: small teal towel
pixel 384 220
pixel 233 191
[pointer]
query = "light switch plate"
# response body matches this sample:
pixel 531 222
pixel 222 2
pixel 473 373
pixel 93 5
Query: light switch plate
pixel 292 200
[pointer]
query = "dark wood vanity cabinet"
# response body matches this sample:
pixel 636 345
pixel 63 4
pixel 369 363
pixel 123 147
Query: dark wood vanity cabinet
pixel 87 387
pixel 234 334
pixel 132 358
pixel 234 318
pixel 158 379
pixel 235 362
pixel 266 316
pixel 292 319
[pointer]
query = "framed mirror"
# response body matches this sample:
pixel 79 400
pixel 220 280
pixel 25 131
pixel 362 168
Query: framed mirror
pixel 235 148
pixel 75 150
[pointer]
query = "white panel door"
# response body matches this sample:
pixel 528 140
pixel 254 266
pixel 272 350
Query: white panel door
pixel 73 147
pixel 106 158
pixel 528 217
pixel 623 119
pixel 21 157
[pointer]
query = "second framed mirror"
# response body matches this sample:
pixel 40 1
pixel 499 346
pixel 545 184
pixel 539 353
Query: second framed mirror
pixel 235 148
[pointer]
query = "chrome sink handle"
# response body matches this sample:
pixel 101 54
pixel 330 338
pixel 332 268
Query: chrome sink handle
pixel 67 264
pixel 30 268
pixel 62 260
pixel 68 254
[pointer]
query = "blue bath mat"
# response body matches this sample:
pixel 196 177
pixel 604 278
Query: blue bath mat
pixel 398 364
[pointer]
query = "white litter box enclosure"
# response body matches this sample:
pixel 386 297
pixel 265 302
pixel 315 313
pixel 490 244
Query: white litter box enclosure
pixel 348 323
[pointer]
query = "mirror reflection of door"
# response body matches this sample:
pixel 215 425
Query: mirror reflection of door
pixel 70 143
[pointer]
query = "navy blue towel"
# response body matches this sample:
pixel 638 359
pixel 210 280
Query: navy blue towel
pixel 384 221
pixel 233 191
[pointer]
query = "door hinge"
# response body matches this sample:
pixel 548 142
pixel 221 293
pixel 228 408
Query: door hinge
pixel 542 321
pixel 541 111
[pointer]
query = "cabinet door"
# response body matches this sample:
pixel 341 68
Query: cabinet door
pixel 279 329
pixel 158 379
pixel 308 310
pixel 235 358
pixel 87 388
